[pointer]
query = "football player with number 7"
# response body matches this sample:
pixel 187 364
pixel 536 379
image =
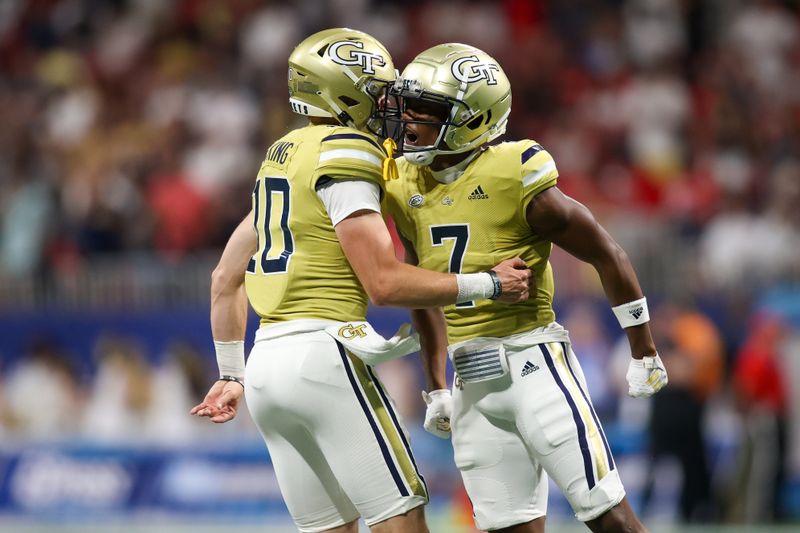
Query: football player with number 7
pixel 520 409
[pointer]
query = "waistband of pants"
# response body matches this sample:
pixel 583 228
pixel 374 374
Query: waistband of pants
pixel 292 327
pixel 552 332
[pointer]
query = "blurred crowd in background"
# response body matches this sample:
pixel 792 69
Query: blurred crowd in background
pixel 131 131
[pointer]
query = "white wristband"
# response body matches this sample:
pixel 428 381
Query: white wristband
pixel 632 313
pixel 478 286
pixel 230 358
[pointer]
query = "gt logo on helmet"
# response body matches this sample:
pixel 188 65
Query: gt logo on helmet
pixel 470 69
pixel 349 57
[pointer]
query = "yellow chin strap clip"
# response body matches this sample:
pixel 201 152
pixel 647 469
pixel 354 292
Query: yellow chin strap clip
pixel 389 164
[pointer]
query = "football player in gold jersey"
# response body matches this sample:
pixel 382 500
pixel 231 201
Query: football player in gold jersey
pixel 311 251
pixel 520 409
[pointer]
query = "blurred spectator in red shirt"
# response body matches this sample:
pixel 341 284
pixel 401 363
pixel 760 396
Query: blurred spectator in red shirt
pixel 762 398
pixel 181 212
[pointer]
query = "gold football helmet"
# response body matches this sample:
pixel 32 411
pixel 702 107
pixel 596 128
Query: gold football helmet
pixel 340 73
pixel 469 87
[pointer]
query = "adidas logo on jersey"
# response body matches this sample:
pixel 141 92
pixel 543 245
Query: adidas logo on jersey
pixel 478 194
pixel 529 368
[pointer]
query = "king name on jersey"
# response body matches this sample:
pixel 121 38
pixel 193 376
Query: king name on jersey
pixel 279 151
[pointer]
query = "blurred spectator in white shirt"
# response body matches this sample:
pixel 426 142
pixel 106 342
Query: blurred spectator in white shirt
pixel 176 384
pixel 42 394
pixel 120 395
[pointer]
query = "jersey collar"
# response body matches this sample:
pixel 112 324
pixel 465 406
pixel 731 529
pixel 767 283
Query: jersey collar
pixel 451 174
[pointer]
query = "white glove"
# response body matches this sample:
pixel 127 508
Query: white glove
pixel 437 415
pixel 646 376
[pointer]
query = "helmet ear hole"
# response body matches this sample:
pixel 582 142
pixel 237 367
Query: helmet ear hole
pixel 321 51
pixel 349 102
pixel 476 122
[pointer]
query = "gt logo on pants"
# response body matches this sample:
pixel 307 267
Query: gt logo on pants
pixel 349 331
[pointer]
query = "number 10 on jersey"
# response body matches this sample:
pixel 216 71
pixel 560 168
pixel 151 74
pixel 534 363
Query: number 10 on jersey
pixel 272 226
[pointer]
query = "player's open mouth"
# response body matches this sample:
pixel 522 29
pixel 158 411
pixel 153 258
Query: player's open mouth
pixel 411 137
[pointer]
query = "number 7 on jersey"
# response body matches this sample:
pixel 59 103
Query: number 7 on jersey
pixel 459 234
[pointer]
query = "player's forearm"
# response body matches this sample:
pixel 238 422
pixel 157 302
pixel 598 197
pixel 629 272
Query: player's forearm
pixel 570 225
pixel 228 322
pixel 641 341
pixel 228 298
pixel 228 313
pixel 369 249
pixel 403 285
pixel 621 285
pixel 430 324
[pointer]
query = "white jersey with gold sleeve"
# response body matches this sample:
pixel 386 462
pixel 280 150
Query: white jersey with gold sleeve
pixel 299 270
pixel 473 223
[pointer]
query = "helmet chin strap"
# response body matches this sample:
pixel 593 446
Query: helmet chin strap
pixel 425 157
pixel 421 159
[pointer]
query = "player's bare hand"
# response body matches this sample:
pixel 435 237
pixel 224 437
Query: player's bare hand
pixel 221 402
pixel 515 280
